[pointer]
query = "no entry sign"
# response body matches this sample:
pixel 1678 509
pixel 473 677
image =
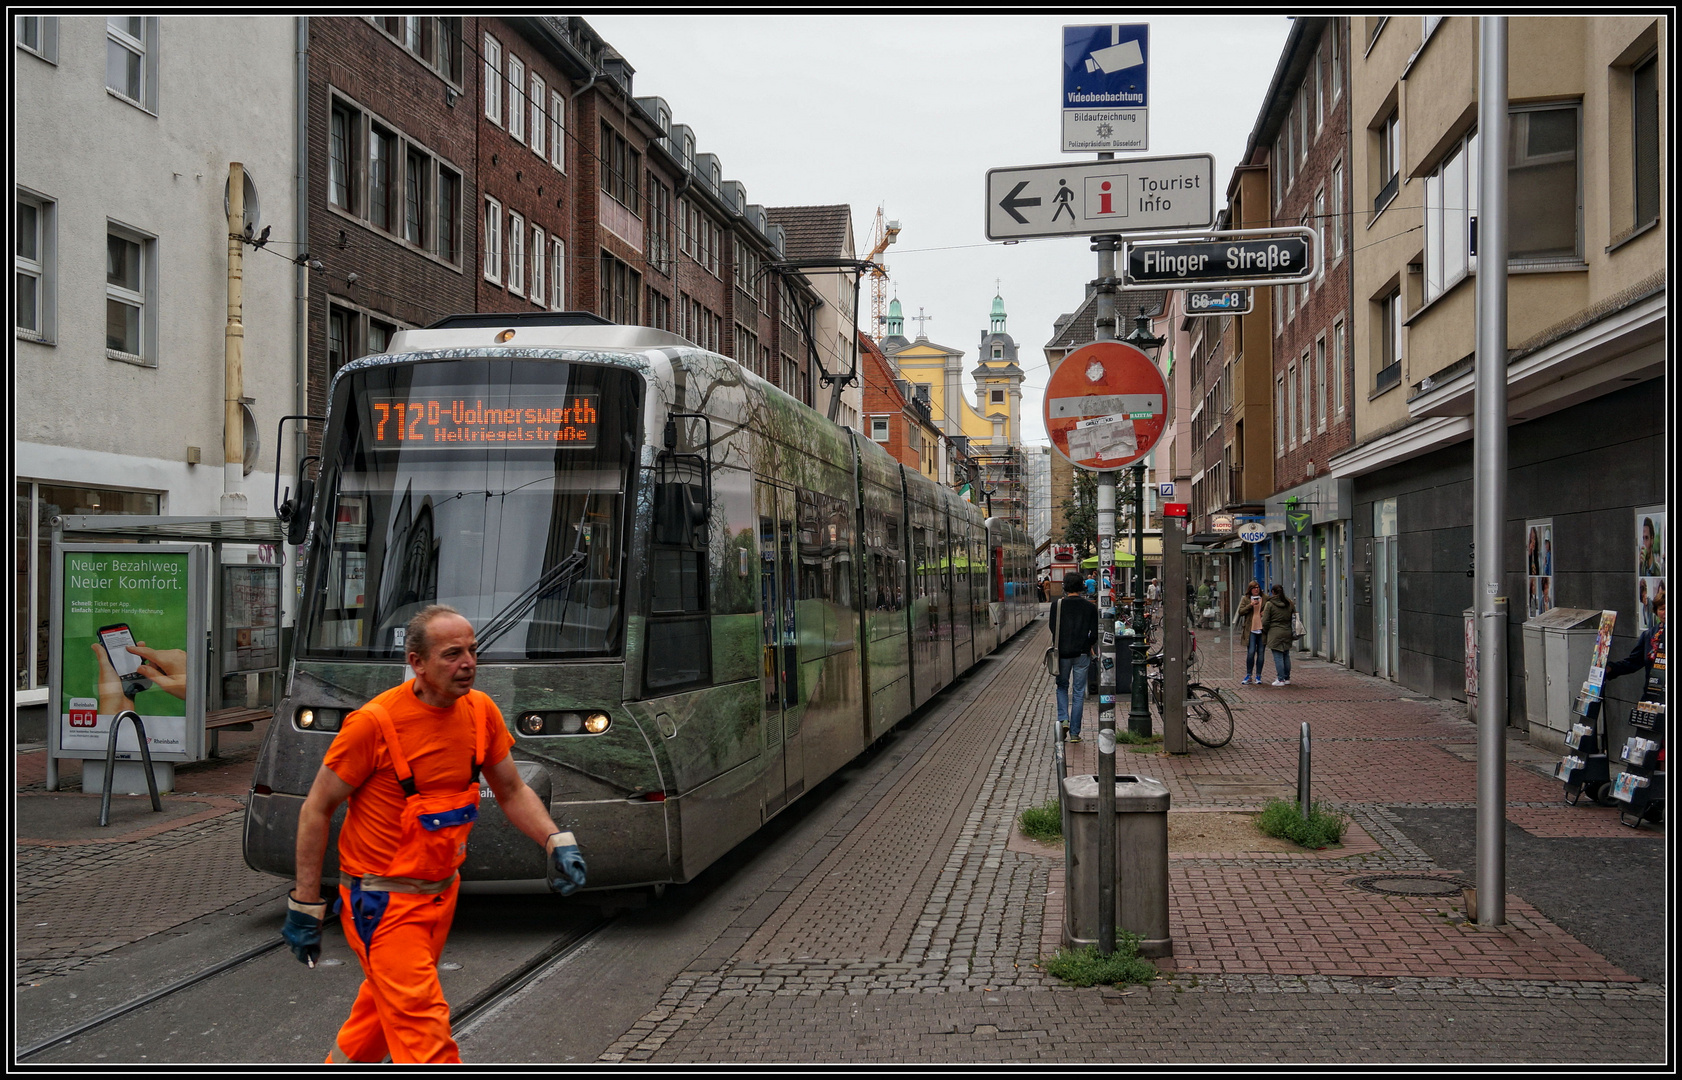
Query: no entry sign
pixel 1105 406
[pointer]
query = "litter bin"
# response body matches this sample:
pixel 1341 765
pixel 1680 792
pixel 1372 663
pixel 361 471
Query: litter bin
pixel 1141 838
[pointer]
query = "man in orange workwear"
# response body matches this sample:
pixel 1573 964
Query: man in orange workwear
pixel 409 762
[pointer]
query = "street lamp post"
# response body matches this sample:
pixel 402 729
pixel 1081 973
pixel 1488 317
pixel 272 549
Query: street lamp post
pixel 1139 715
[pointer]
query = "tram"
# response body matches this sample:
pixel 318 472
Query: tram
pixel 695 597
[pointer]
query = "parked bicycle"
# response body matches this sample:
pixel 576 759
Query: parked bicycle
pixel 1208 716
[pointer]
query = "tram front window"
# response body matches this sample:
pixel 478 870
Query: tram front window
pixel 494 486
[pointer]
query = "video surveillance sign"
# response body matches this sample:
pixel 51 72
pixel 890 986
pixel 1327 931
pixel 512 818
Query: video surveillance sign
pixel 1105 84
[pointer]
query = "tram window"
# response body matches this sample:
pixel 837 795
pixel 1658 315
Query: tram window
pixel 679 579
pixel 679 653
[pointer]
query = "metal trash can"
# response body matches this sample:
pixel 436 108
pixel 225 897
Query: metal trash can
pixel 1141 836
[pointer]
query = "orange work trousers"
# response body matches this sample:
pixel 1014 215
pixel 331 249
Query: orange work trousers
pixel 400 1009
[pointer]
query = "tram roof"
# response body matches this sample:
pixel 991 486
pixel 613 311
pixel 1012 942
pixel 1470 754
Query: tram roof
pixel 514 333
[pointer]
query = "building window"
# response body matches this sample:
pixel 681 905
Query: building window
pixel 39 34
pixel 381 149
pixel 1388 160
pixel 1305 285
pixel 1450 214
pixel 620 288
pixel 1291 387
pixel 377 337
pixel 415 200
pixel 1337 208
pixel 129 281
pixel 998 352
pixel 341 144
pixel 1389 350
pixel 516 254
pixel 1544 196
pixel 620 167
pixel 558 276
pixel 434 41
pixel 1338 358
pixel 1321 231
pixel 1337 59
pixel 746 352
pixel 1320 382
pixel 338 338
pixel 1278 415
pixel 516 98
pixel 131 59
pixel 36 267
pixel 539 295
pixel 1320 91
pixel 1644 108
pixel 493 240
pixel 493 80
pixel 449 206
pixel 659 310
pixel 557 130
pixel 37 505
pixel 659 237
pixel 996 397
pixel 539 125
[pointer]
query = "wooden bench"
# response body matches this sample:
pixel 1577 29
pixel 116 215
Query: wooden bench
pixel 232 720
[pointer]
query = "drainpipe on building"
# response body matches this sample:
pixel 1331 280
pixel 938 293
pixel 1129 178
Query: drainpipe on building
pixel 301 182
pixel 233 375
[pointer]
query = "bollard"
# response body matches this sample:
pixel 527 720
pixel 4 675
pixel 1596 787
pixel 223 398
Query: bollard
pixel 1302 772
pixel 111 765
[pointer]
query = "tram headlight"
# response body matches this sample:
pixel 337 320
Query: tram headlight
pixel 559 722
pixel 597 722
pixel 316 718
pixel 531 724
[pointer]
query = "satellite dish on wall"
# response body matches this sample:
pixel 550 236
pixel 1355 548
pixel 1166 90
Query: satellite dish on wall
pixel 253 208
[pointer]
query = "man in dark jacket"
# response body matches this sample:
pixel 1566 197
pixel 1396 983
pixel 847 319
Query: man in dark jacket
pixel 1648 647
pixel 1074 627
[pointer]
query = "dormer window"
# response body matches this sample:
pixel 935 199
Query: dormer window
pixel 998 352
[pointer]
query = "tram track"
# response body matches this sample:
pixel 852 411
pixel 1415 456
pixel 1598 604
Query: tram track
pixel 462 1017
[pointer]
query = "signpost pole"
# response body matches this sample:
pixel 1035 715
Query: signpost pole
pixel 1173 634
pixel 1104 327
pixel 1489 487
pixel 1139 715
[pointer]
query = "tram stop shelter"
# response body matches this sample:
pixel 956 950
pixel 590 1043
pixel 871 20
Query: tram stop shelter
pixel 212 629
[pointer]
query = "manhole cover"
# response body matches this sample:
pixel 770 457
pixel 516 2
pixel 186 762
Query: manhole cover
pixel 1409 885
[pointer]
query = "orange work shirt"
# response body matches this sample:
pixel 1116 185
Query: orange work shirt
pixel 439 744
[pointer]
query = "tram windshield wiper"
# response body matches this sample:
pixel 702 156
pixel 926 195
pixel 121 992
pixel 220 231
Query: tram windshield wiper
pixel 558 578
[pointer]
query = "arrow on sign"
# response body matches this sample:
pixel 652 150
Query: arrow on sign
pixel 1010 202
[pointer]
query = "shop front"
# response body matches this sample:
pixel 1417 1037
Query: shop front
pixel 1309 527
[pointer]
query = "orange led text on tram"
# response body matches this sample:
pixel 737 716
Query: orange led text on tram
pixel 457 422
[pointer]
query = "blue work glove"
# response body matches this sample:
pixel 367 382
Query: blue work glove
pixel 303 929
pixel 566 864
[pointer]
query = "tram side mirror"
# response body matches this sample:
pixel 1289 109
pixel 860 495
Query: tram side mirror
pixel 680 515
pixel 296 512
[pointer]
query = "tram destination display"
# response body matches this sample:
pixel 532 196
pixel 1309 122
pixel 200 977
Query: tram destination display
pixel 449 422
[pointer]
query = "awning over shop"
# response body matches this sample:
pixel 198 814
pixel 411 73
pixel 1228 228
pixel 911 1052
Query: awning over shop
pixel 1213 544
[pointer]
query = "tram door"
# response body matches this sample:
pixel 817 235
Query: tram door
pixel 779 645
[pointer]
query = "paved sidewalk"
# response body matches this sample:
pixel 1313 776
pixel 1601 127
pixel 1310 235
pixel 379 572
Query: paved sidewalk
pixel 82 891
pixel 916 933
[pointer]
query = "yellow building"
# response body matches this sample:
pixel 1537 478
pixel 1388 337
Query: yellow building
pixel 935 373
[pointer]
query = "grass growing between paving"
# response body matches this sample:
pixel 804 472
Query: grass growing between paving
pixel 1043 822
pixel 1322 828
pixel 1084 967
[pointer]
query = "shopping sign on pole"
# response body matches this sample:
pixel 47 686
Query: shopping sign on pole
pixel 1105 85
pixel 1093 198
pixel 1234 259
pixel 1106 406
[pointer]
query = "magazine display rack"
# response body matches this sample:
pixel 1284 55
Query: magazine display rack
pixel 1639 791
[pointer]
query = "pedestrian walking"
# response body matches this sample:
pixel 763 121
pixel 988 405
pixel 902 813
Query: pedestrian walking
pixel 1276 627
pixel 1074 631
pixel 1249 614
pixel 1091 587
pixel 410 761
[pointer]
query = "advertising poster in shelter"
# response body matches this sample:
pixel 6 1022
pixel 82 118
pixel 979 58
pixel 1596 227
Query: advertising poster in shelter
pixel 1649 563
pixel 1538 566
pixel 125 646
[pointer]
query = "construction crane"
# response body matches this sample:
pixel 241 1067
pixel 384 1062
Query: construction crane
pixel 883 234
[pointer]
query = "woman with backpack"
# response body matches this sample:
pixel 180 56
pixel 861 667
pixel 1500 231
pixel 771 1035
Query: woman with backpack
pixel 1277 629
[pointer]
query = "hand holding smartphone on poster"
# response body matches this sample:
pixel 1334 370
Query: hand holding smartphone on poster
pixel 127 668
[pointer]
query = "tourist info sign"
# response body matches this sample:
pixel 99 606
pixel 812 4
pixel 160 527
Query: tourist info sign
pixel 1106 73
pixel 1092 198
pixel 1105 406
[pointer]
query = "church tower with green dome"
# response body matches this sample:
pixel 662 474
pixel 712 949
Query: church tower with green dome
pixel 894 337
pixel 998 380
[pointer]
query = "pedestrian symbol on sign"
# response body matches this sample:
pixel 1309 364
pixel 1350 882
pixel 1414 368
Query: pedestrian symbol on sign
pixel 1063 198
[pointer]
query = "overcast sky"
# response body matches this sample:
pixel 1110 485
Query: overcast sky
pixel 910 112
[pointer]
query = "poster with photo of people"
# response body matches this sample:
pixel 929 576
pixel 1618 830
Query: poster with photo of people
pixel 1538 566
pixel 1649 563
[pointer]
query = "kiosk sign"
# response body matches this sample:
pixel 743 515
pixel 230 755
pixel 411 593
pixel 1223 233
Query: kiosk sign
pixel 1105 406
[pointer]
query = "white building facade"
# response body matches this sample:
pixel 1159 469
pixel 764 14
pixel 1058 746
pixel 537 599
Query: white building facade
pixel 125 131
